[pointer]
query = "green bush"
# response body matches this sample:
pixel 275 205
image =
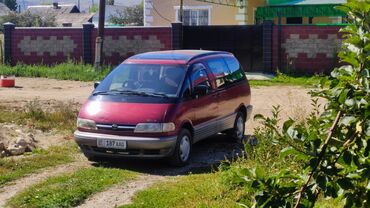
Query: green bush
pixel 328 152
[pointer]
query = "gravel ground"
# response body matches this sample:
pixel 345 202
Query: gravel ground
pixel 294 101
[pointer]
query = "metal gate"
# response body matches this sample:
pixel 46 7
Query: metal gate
pixel 245 42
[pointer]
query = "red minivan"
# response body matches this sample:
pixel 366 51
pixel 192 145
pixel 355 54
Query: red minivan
pixel 157 104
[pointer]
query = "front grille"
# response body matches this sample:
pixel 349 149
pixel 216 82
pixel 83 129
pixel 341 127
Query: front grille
pixel 116 151
pixel 116 127
pixel 126 152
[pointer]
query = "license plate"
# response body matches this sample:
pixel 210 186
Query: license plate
pixel 113 144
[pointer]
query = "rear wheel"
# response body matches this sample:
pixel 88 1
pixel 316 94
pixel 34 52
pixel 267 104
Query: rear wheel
pixel 182 152
pixel 237 132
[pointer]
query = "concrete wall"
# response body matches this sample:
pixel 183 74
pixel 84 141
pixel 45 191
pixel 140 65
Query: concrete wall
pixel 308 49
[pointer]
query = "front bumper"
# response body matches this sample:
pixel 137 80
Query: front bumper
pixel 146 147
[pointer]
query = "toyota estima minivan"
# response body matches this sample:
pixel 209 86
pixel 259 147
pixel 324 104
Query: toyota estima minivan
pixel 158 104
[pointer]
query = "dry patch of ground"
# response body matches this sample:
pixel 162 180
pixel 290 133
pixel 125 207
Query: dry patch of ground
pixel 120 194
pixel 294 100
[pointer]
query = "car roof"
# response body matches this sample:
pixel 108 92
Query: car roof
pixel 173 56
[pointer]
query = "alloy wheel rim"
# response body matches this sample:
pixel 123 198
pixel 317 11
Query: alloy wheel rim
pixel 184 148
pixel 240 128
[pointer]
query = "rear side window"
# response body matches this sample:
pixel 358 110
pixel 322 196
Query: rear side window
pixel 220 70
pixel 236 71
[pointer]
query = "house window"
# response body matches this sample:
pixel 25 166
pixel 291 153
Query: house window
pixel 194 16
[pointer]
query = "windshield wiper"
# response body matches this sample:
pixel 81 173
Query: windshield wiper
pixel 109 92
pixel 130 92
pixel 157 94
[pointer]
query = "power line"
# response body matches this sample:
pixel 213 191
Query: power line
pixel 232 3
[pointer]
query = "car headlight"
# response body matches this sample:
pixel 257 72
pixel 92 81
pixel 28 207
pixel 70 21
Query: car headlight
pixel 154 127
pixel 86 124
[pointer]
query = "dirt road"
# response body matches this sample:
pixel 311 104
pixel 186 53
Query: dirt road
pixel 294 102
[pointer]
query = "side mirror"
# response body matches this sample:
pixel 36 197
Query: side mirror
pixel 200 90
pixel 96 84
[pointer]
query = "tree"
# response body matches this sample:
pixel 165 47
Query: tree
pixel 332 148
pixel 110 2
pixel 11 4
pixel 93 9
pixel 26 19
pixel 129 16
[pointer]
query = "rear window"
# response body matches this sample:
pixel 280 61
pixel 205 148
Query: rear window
pixel 236 71
pixel 220 70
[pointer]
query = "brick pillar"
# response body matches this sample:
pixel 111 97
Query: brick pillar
pixel 8 30
pixel 177 36
pixel 267 46
pixel 87 42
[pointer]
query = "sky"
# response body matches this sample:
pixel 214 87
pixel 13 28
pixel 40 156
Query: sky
pixel 85 4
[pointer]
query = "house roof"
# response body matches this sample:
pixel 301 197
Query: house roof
pixel 49 9
pixel 299 8
pixel 4 10
pixel 303 2
pixel 85 5
pixel 76 19
pixel 64 13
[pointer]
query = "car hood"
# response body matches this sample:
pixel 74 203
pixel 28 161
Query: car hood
pixel 123 113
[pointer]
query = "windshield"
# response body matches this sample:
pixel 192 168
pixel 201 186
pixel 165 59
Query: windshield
pixel 144 79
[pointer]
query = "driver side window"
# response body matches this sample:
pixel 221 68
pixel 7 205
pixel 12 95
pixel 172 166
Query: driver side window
pixel 199 80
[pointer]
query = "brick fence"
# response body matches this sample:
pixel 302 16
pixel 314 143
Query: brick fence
pixel 56 45
pixel 308 49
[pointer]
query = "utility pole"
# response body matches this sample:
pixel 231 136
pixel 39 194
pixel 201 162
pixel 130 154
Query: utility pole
pixel 100 38
pixel 181 11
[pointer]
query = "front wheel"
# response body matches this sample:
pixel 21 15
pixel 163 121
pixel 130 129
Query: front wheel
pixel 182 152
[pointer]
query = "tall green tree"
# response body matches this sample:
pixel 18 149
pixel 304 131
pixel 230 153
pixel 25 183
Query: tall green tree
pixel 26 19
pixel 11 4
pixel 332 148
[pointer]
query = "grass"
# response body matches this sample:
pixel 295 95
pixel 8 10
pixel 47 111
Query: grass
pixel 61 117
pixel 14 168
pixel 283 79
pixel 69 189
pixel 224 188
pixel 203 190
pixel 64 71
pixel 82 72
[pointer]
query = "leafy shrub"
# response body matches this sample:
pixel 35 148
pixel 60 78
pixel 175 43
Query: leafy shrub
pixel 333 147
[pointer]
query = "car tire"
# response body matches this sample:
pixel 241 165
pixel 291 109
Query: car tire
pixel 237 133
pixel 182 152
